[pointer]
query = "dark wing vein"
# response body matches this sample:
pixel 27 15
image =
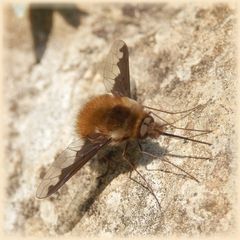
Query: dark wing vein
pixel 65 166
pixel 116 70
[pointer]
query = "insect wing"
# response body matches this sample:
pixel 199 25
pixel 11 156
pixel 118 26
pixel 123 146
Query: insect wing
pixel 116 70
pixel 68 163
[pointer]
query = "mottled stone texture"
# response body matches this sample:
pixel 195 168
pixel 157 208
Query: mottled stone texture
pixel 181 55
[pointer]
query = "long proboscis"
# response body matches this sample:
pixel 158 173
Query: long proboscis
pixel 185 138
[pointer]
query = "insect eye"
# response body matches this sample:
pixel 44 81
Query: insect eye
pixel 144 126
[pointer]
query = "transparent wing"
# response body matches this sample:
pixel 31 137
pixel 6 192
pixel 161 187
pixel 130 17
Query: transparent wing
pixel 116 70
pixel 68 163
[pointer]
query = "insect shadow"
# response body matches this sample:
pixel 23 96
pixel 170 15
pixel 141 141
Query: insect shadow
pixel 108 165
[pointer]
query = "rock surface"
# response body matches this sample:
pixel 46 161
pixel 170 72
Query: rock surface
pixel 181 56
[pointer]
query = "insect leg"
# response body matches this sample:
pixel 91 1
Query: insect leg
pixel 176 166
pixel 107 170
pixel 172 124
pixel 139 145
pixel 147 186
pixel 166 171
pixel 178 112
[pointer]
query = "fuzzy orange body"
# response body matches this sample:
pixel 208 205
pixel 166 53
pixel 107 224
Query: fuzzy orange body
pixel 116 117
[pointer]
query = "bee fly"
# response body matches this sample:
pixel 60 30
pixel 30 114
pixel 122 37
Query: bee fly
pixel 108 119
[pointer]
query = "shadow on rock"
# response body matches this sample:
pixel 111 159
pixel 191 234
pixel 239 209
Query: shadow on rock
pixel 109 165
pixel 41 20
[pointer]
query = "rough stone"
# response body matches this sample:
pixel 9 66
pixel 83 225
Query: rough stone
pixel 181 56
